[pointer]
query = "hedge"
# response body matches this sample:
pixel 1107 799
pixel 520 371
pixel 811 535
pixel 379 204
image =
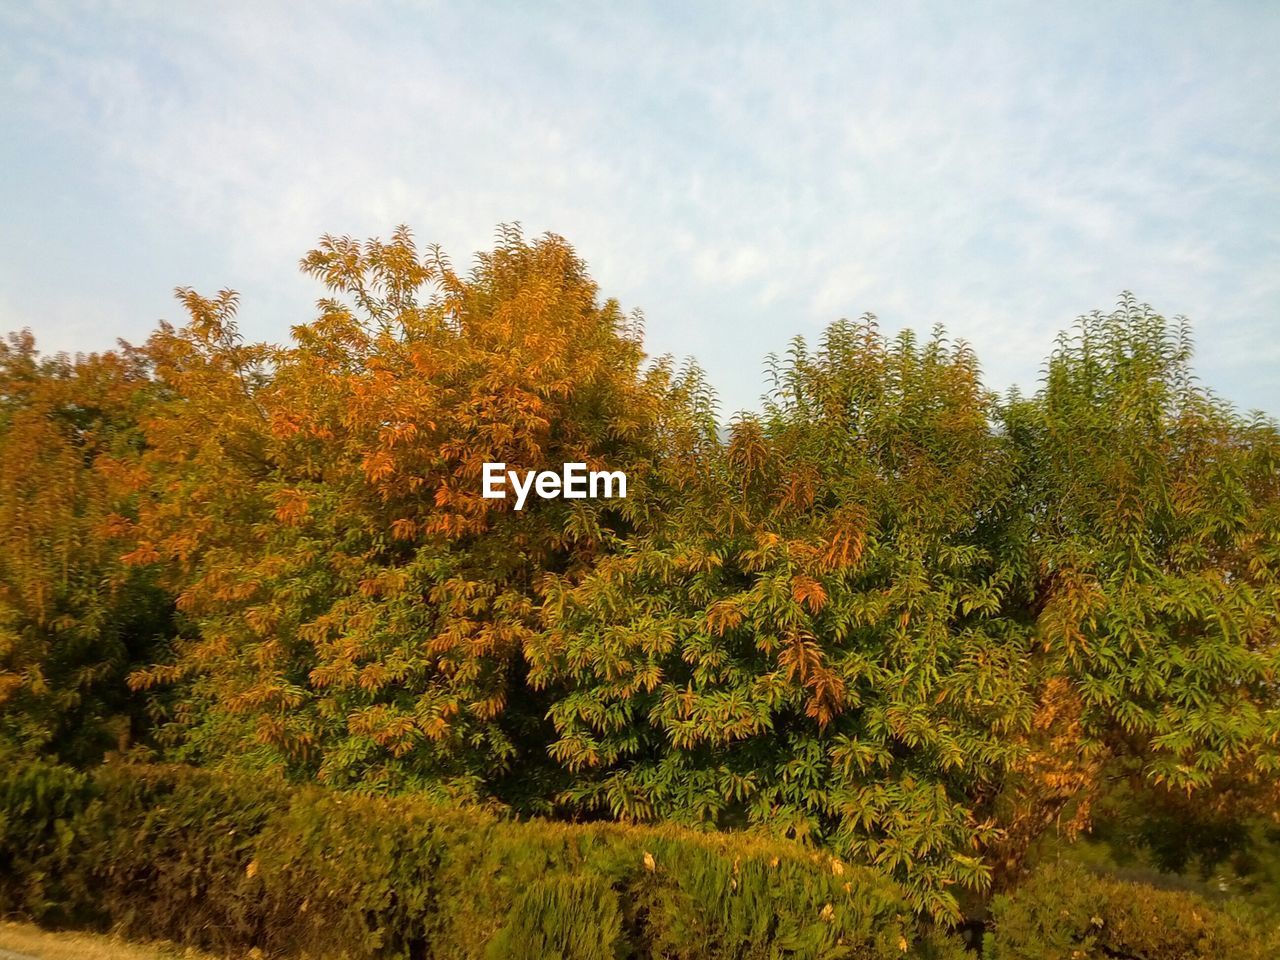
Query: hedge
pixel 1062 912
pixel 232 863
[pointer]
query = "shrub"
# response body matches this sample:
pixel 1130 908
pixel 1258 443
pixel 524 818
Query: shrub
pixel 232 863
pixel 37 802
pixel 157 851
pixel 564 916
pixel 1065 913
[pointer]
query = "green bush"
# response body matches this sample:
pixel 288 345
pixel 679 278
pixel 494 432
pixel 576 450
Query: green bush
pixel 156 851
pixel 232 863
pixel 235 862
pixel 563 916
pixel 1065 913
pixel 37 803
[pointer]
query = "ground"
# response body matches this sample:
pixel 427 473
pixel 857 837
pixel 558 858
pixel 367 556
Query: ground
pixel 23 941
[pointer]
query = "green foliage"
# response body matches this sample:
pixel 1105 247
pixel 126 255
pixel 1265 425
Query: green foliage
pixel 908 622
pixel 903 618
pixel 1064 913
pixel 1157 553
pixel 563 917
pixel 37 804
pixel 74 620
pixel 230 862
pixel 819 639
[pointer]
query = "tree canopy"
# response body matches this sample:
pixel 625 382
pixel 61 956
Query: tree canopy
pixel 891 612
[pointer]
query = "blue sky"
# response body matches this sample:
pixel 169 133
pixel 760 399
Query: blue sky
pixel 741 172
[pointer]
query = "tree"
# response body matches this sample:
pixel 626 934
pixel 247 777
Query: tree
pixel 73 619
pixel 891 613
pixel 361 609
pixel 821 641
pixel 923 625
pixel 1155 517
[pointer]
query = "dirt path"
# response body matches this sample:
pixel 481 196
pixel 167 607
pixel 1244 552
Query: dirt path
pixel 23 941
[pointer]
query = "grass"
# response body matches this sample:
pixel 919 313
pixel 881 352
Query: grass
pixel 23 940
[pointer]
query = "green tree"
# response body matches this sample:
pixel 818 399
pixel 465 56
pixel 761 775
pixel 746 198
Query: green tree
pixel 891 613
pixel 73 619
pixel 923 625
pixel 1154 512
pixel 821 640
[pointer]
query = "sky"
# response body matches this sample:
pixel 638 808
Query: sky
pixel 740 172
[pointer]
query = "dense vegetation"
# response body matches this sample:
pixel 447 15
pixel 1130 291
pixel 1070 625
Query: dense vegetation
pixel 233 861
pixel 917 625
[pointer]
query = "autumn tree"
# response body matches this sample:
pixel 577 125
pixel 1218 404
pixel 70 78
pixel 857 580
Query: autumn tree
pixel 361 610
pixel 73 619
pixel 891 613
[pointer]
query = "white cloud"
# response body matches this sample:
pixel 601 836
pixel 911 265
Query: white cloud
pixel 742 175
